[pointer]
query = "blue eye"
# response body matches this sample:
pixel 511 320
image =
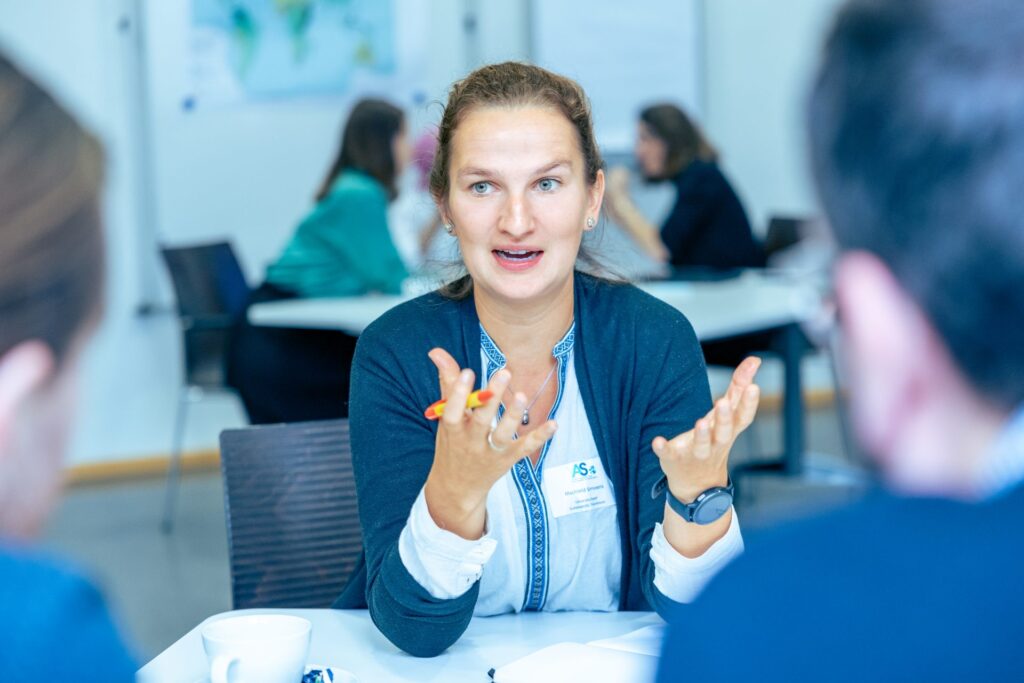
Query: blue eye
pixel 482 187
pixel 548 184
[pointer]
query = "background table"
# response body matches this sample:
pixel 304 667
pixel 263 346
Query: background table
pixel 752 302
pixel 756 301
pixel 348 639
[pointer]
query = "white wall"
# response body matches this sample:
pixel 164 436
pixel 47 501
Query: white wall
pixel 249 171
pixel 246 172
pixel 759 57
pixel 77 49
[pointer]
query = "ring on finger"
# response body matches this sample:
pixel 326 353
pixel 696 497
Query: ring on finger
pixel 490 442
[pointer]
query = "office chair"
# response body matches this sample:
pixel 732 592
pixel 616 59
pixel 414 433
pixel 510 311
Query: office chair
pixel 211 292
pixel 292 522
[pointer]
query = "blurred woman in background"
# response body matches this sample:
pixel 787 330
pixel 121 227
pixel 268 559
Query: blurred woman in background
pixel 707 228
pixel 341 248
pixel 57 626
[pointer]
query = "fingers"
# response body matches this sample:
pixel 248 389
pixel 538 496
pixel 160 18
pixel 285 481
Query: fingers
pixel 535 439
pixel 505 432
pixel 742 377
pixel 748 407
pixel 447 369
pixel 484 415
pixel 455 408
pixel 702 439
pixel 678 446
pixel 723 428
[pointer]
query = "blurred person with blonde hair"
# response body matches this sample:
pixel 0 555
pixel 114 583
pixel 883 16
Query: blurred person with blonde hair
pixel 51 275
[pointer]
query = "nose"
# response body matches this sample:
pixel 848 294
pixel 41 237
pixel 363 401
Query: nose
pixel 515 220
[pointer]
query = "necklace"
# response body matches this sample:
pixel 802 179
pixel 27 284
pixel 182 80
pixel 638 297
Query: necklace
pixel 526 413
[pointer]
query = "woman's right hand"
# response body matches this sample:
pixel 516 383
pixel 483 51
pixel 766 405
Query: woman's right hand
pixel 466 464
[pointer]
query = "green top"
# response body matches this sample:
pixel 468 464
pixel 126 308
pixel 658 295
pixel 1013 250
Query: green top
pixel 343 247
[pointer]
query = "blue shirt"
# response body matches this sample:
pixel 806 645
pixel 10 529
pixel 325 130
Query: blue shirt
pixel 56 625
pixel 890 589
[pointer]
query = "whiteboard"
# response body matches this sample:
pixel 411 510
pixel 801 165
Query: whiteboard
pixel 625 55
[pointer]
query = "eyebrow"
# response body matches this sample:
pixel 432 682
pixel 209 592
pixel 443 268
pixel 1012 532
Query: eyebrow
pixel 475 171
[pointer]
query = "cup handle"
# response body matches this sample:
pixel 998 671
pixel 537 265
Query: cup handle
pixel 221 666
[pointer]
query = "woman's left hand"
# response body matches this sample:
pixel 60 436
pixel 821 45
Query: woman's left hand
pixel 698 459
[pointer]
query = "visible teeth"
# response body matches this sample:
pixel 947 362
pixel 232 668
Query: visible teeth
pixel 521 252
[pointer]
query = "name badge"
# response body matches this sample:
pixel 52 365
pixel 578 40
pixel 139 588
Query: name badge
pixel 577 487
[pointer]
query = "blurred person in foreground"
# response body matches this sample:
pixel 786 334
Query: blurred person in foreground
pixel 56 625
pixel 917 139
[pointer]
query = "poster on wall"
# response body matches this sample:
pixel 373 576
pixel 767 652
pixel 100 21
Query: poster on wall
pixel 260 50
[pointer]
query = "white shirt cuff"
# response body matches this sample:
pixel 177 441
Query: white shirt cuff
pixel 682 578
pixel 445 564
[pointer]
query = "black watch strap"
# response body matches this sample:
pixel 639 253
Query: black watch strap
pixel 708 507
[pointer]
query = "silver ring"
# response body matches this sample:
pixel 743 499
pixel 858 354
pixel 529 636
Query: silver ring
pixel 490 442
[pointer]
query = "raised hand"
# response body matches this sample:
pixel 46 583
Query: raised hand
pixel 468 456
pixel 697 460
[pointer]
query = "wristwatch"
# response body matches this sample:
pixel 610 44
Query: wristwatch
pixel 708 507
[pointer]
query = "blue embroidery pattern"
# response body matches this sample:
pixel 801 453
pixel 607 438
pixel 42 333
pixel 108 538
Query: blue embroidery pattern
pixel 527 478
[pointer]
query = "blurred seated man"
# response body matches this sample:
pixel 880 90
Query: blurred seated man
pixel 917 137
pixel 55 624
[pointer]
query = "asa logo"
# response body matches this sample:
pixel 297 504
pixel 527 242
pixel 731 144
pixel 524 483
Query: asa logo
pixel 582 470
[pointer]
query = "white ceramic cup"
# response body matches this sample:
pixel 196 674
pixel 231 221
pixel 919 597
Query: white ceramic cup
pixel 260 648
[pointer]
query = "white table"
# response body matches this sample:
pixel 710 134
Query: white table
pixel 348 639
pixel 725 308
pixel 756 301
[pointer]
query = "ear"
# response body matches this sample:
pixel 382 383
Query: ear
pixel 442 210
pixel 891 349
pixel 596 195
pixel 23 371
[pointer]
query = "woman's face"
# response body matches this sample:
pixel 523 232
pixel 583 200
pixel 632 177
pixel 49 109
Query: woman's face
pixel 519 200
pixel 650 152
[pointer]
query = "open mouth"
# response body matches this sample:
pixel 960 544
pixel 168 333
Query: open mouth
pixel 519 255
pixel 517 260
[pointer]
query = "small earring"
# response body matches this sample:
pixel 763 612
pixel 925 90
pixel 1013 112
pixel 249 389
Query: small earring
pixel 449 228
pixel 590 223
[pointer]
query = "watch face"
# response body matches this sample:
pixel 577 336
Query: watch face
pixel 713 507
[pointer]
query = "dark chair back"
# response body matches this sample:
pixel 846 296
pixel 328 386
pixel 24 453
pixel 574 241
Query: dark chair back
pixel 290 502
pixel 211 291
pixel 783 232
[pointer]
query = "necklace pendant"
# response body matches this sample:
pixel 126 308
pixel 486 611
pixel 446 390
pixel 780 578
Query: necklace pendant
pixel 526 417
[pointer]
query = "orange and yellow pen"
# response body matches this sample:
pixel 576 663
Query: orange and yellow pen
pixel 435 410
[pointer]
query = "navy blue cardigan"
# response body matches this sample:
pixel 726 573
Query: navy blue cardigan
pixel 641 374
